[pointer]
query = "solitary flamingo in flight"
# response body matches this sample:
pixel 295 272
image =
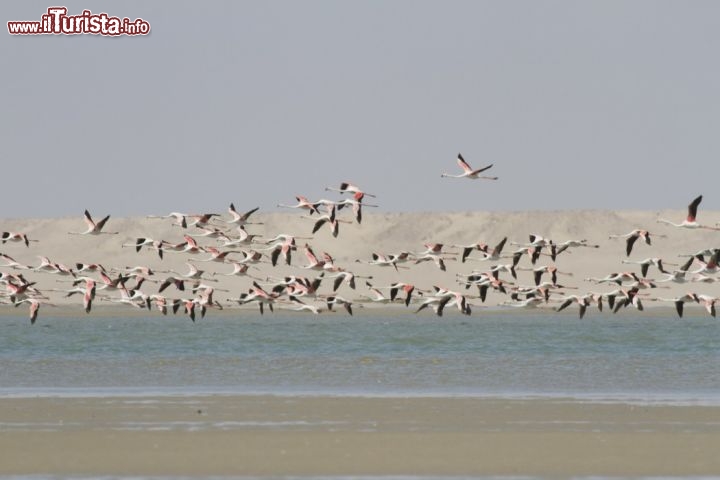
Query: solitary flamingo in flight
pixel 93 227
pixel 689 221
pixel 468 171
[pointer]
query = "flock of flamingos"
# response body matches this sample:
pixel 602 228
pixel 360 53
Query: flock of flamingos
pixel 226 241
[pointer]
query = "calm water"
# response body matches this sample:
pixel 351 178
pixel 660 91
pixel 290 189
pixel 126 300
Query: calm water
pixel 643 358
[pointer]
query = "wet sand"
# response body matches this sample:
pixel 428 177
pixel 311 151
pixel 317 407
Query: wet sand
pixel 269 435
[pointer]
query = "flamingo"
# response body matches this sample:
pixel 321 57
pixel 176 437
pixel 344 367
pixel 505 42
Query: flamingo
pixel 680 301
pixel 492 255
pixel 303 203
pixel 299 306
pixel 356 204
pixel 630 297
pixel 484 282
pixel 180 218
pixel 240 220
pixel 507 268
pixel 258 294
pixel 558 248
pixel 343 276
pixel 145 241
pixel 396 287
pixel 381 260
pixel 34 308
pixel 94 228
pixel 285 249
pixel 19 292
pixel 244 238
pixel 11 263
pixel 178 282
pixel 161 303
pixel 540 293
pixel 346 187
pixel 329 218
pixel 530 302
pixel 632 238
pixel 689 221
pixel 378 296
pixel 536 241
pixel 16 237
pixel 436 258
pixel 216 255
pixel 645 264
pixel 188 246
pixel 436 303
pixel 333 300
pixel 711 266
pixel 313 262
pixel 250 257
pixel 138 271
pixel 708 302
pixel 678 276
pixel 468 172
pixel 704 278
pixel 552 270
pixel 208 232
pixel 582 301
pixel 88 267
pixel 193 273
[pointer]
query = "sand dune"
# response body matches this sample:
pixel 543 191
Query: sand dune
pixel 383 233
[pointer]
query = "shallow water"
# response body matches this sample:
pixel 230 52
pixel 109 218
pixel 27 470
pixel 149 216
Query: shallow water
pixel 648 358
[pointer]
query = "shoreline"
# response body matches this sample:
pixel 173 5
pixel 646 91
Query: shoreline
pixel 636 399
pixel 276 436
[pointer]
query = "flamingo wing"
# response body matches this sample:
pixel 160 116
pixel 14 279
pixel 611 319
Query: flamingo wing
pixel 692 209
pixel 89 220
pixel 479 170
pixel 463 164
pixel 102 223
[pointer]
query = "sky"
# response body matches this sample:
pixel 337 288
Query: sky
pixel 578 105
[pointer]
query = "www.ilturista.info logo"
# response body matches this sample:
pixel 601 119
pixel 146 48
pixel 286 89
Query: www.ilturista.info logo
pixel 57 22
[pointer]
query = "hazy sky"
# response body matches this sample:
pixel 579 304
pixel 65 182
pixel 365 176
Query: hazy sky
pixel 593 104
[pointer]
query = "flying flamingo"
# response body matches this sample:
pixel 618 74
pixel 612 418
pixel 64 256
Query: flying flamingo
pixel 436 303
pixel 708 302
pixel 582 301
pixel 557 248
pixel 144 241
pixel 34 308
pixel 303 203
pixel 313 262
pixel 333 300
pixel 11 263
pixel 180 218
pixel 468 172
pixel 346 187
pixel 16 237
pixel 689 221
pixel 632 238
pixel 347 277
pixel 238 219
pixel 680 301
pixel 239 270
pixel 244 238
pixel 331 220
pixel 645 264
pixel 356 203
pixel 94 228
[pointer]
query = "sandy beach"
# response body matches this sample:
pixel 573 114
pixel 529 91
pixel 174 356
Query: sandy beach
pixel 267 435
